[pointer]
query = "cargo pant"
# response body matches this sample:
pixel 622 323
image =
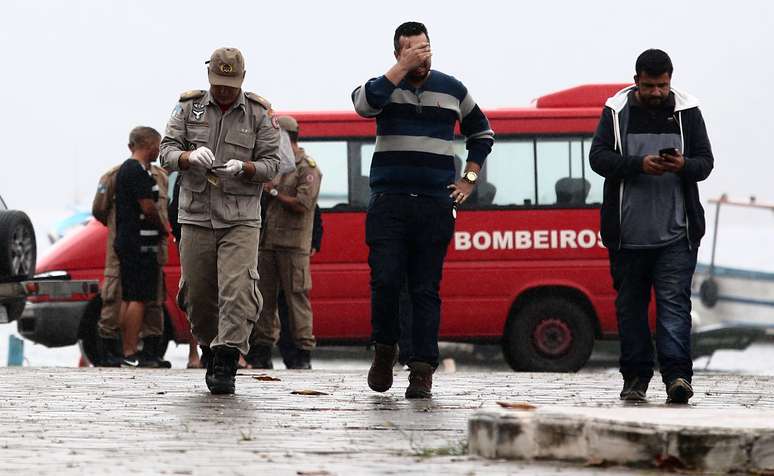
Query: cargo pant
pixel 109 320
pixel 219 267
pixel 289 271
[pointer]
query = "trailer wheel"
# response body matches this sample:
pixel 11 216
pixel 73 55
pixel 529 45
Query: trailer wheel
pixel 18 250
pixel 88 335
pixel 549 334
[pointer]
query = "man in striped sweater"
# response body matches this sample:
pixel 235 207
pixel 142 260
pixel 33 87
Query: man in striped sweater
pixel 414 193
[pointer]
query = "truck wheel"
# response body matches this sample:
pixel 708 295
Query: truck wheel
pixel 548 335
pixel 88 335
pixel 18 250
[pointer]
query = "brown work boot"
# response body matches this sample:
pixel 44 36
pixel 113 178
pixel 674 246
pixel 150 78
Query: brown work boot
pixel 420 380
pixel 380 374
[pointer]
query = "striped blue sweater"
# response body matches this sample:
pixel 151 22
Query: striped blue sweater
pixel 415 132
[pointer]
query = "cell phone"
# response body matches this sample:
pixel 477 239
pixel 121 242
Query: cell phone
pixel 668 151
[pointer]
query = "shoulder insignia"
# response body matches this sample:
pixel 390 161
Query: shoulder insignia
pixel 192 94
pixel 260 100
pixel 311 162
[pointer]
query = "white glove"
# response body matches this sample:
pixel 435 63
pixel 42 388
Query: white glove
pixel 202 157
pixel 230 168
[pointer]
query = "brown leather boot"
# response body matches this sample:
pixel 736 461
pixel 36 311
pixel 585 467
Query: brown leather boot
pixel 380 374
pixel 420 380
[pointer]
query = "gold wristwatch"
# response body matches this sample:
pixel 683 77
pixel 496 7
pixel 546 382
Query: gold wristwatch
pixel 470 176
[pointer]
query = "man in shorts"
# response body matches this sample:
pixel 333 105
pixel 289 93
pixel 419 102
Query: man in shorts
pixel 139 230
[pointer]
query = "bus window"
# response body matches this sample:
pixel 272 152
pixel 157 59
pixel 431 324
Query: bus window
pixel 561 176
pixel 359 173
pixel 596 180
pixel 331 156
pixel 508 177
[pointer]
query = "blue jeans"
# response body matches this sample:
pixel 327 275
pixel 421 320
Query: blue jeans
pixel 669 271
pixel 407 237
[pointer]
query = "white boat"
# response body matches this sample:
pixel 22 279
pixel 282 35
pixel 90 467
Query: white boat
pixel 732 307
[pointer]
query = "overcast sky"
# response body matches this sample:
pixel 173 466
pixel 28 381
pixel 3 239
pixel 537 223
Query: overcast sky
pixel 76 76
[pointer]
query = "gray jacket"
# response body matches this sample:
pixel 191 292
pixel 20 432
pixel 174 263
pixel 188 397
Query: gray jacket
pixel 245 132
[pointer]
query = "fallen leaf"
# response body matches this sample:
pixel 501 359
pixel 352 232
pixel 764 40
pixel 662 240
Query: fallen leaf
pixel 308 392
pixel 517 405
pixel 598 463
pixel 266 378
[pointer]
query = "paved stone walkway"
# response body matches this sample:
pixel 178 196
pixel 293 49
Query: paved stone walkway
pixel 89 421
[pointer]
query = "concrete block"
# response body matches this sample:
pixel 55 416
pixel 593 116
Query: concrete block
pixel 498 435
pixel 762 453
pixel 482 434
pixel 710 449
pixel 560 437
pixel 624 443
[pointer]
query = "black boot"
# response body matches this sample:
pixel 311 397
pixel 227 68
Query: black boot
pixel 206 358
pixel 259 357
pixel 221 378
pixel 150 356
pixel 111 353
pixel 420 380
pixel 380 373
pixel 635 389
pixel 302 360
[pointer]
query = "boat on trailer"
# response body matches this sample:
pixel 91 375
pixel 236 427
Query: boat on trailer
pixel 732 307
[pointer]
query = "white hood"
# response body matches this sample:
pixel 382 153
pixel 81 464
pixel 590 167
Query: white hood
pixel 683 100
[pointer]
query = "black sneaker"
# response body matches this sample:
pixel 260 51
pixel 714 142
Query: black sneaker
pixel 221 379
pixel 679 390
pixel 634 389
pixel 130 361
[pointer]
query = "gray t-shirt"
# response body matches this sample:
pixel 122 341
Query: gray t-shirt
pixel 653 207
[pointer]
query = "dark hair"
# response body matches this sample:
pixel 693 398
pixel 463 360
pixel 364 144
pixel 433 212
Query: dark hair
pixel 654 62
pixel 293 135
pixel 410 28
pixel 142 136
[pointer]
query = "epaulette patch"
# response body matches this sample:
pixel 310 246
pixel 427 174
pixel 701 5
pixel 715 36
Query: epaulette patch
pixel 192 94
pixel 260 100
pixel 312 163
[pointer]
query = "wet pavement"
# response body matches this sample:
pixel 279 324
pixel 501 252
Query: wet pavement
pixel 76 421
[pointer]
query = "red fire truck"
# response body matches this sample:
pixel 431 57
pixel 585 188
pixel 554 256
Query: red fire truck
pixel 526 267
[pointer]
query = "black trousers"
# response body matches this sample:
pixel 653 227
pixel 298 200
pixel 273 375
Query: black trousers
pixel 668 271
pixel 407 236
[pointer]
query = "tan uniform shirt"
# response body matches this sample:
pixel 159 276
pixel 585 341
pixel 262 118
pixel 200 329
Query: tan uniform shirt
pixel 247 132
pixel 286 229
pixel 103 208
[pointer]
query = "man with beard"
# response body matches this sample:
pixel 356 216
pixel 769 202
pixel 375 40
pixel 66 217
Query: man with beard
pixel 651 146
pixel 225 143
pixel 411 214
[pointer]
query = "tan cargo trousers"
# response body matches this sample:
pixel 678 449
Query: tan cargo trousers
pixel 289 271
pixel 219 267
pixel 109 319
